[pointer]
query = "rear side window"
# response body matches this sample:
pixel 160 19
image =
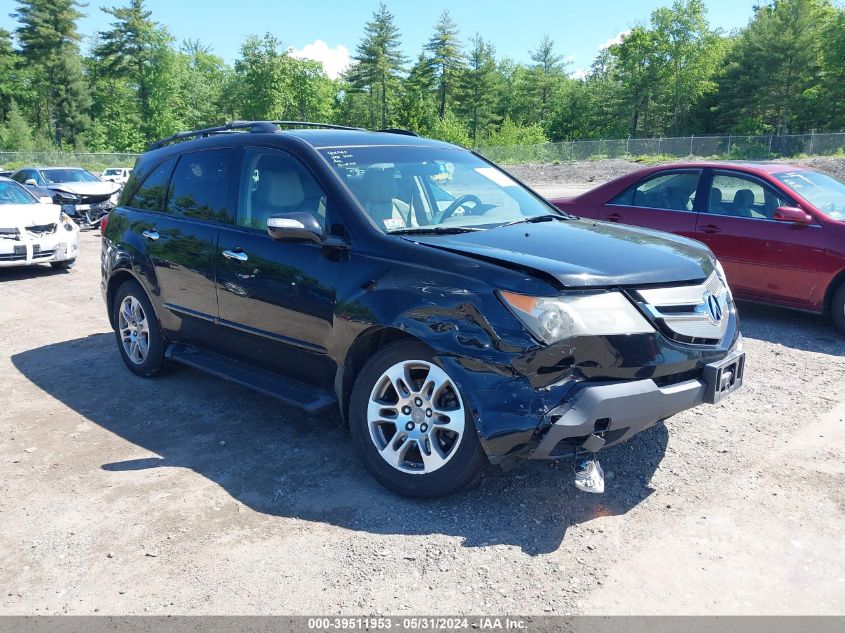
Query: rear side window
pixel 674 191
pixel 150 195
pixel 200 185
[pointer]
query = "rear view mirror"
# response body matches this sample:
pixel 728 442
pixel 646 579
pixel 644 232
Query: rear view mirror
pixel 793 215
pixel 295 227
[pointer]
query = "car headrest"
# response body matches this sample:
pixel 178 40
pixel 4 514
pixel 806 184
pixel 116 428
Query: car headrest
pixel 378 185
pixel 744 198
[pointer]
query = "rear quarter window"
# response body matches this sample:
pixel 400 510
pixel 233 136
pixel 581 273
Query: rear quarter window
pixel 150 195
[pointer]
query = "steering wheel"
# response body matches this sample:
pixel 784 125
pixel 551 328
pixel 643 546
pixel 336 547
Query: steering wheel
pixel 456 204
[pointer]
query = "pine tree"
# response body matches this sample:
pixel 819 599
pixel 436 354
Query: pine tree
pixel 7 65
pixel 479 88
pixel 379 63
pixel 50 46
pixel 548 68
pixel 126 50
pixel 446 58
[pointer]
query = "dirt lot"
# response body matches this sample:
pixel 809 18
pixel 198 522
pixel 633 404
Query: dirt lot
pixel 189 495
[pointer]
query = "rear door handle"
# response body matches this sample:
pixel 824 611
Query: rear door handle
pixel 711 228
pixel 614 217
pixel 236 254
pixel 151 235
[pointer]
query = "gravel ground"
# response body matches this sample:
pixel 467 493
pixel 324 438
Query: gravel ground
pixel 189 495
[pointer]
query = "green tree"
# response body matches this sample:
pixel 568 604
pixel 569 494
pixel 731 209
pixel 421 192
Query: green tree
pixel 379 63
pixel 479 87
pixel 16 134
pixel 49 45
pixel 548 74
pixel 446 59
pixel 774 70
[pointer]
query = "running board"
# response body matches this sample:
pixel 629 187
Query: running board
pixel 309 399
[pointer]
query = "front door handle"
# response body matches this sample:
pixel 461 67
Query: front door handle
pixel 614 217
pixel 236 254
pixel 711 228
pixel 151 235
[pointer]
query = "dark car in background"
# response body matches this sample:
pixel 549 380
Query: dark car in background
pixel 81 194
pixel 452 321
pixel 778 229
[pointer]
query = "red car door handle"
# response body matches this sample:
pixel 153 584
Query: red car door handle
pixel 614 217
pixel 711 228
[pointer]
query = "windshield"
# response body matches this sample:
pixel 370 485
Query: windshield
pixel 824 192
pixel 55 176
pixel 409 188
pixel 13 193
pixel 111 172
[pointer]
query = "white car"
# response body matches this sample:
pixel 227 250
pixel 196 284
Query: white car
pixel 33 232
pixel 116 174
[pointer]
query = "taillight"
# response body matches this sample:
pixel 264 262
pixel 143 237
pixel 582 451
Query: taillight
pixel 104 222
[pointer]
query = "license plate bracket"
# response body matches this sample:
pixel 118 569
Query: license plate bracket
pixel 724 377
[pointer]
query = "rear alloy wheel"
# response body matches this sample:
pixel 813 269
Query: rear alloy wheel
pixel 411 424
pixel 138 334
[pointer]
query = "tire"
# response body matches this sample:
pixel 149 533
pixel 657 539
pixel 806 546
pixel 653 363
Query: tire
pixel 135 320
pixel 65 265
pixel 422 443
pixel 837 308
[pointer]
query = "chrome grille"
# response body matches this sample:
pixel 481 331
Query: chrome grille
pixel 692 314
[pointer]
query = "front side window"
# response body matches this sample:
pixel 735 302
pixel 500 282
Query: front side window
pixel 824 192
pixel 56 176
pixel 423 187
pixel 743 197
pixel 150 195
pixel 672 192
pixel 28 174
pixel 13 193
pixel 273 182
pixel 199 188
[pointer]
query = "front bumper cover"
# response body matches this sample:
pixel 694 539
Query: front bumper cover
pixel 598 415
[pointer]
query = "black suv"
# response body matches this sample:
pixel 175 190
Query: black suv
pixel 451 314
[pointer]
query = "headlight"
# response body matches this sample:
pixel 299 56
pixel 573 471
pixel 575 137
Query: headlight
pixel 552 319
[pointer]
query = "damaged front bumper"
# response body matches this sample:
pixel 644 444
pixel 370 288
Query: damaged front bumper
pixel 598 415
pixel 60 246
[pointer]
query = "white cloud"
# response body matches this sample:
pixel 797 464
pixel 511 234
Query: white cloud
pixel 335 60
pixel 616 39
pixel 580 73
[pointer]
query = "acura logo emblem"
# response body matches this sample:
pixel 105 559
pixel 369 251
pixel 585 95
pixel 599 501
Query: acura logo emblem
pixel 714 308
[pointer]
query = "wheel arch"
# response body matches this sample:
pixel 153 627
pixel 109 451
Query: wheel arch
pixel 837 281
pixel 365 346
pixel 116 280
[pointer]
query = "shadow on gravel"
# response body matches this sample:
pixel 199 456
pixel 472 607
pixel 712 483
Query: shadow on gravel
pixel 17 273
pixel 279 461
pixel 791 328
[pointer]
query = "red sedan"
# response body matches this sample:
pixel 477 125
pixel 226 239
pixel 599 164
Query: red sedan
pixel 779 230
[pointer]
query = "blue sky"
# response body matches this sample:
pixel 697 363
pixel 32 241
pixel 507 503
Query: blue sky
pixel 579 28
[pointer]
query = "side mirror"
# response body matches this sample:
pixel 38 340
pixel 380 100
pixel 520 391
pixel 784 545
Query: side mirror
pixel 295 227
pixel 45 200
pixel 31 182
pixel 793 215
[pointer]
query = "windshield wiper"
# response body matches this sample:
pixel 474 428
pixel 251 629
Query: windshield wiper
pixel 534 219
pixel 434 230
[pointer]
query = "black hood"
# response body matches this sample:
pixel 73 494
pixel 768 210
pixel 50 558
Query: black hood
pixel 581 253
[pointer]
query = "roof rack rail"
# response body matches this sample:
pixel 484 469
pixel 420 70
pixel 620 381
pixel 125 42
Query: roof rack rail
pixel 252 126
pixel 398 130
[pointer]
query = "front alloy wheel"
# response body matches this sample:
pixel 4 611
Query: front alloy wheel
pixel 411 425
pixel 416 417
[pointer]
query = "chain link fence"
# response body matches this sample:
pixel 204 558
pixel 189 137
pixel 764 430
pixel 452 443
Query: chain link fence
pixel 90 161
pixel 733 147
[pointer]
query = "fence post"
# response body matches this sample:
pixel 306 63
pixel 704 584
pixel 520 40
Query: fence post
pixel 730 137
pixel 812 138
pixel 659 143
pixel 690 144
pixel 628 145
pixel 771 137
